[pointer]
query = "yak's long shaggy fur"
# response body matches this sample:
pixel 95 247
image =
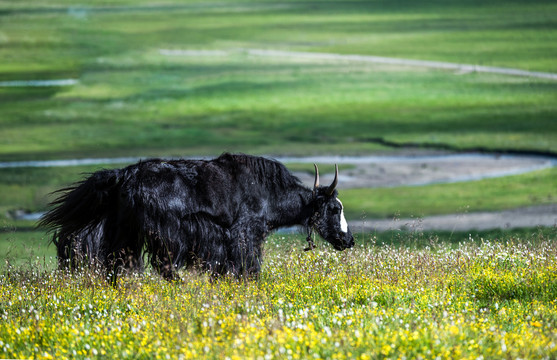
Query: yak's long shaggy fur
pixel 215 213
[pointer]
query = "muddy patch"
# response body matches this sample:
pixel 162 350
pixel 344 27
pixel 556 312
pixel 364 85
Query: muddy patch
pixel 419 170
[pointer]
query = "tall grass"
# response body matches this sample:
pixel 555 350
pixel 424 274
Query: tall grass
pixel 481 298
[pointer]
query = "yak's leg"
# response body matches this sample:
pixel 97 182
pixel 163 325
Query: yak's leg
pixel 122 248
pixel 203 244
pixel 76 250
pixel 86 250
pixel 162 257
pixel 163 265
pixel 123 260
pixel 246 254
pixel 64 251
pixel 132 252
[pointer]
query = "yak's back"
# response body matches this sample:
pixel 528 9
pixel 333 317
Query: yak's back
pixel 270 174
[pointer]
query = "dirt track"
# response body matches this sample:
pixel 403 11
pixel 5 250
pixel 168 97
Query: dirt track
pixel 313 56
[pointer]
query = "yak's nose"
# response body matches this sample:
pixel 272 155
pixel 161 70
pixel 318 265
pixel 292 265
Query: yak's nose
pixel 347 240
pixel 350 242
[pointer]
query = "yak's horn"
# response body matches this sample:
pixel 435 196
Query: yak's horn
pixel 316 182
pixel 333 186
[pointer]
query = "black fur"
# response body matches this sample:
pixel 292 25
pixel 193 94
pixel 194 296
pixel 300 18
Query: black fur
pixel 214 213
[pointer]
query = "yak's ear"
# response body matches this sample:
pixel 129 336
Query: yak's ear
pixel 334 184
pixel 316 182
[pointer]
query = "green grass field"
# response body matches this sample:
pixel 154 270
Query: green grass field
pixel 191 106
pixel 131 99
pixel 25 248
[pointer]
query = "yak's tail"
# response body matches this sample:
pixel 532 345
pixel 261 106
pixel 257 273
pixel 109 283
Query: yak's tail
pixel 78 215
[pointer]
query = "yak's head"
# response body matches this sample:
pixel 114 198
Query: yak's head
pixel 328 219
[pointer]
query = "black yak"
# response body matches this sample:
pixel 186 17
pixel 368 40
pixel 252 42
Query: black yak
pixel 213 213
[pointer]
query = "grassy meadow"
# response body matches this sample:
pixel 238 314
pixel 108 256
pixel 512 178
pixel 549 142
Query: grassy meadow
pixel 479 298
pixel 175 78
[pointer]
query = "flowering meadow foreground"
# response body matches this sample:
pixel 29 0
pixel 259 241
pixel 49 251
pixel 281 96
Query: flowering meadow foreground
pixel 478 299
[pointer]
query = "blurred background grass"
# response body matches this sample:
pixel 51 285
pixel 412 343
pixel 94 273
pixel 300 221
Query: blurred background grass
pixel 131 99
